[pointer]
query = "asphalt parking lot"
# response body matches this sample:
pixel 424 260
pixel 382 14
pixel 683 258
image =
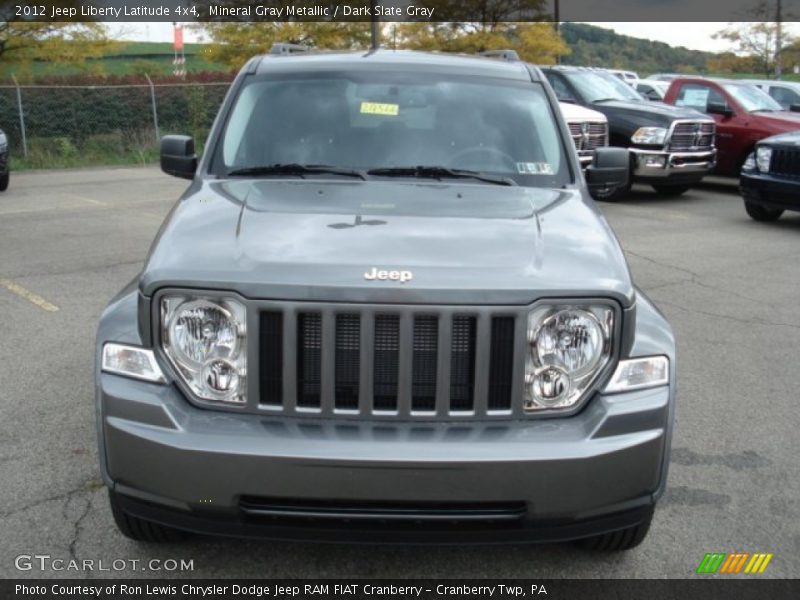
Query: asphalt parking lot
pixel 70 240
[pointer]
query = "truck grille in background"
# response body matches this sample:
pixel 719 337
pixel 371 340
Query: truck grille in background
pixel 596 135
pixel 691 136
pixel 785 162
pixel 413 361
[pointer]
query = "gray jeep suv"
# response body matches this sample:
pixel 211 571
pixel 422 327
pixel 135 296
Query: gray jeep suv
pixel 386 307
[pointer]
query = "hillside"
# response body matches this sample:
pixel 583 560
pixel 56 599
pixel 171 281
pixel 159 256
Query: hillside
pixel 599 47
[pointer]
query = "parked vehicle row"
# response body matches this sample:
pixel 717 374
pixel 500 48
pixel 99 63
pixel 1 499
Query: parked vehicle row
pixel 671 148
pixel 679 129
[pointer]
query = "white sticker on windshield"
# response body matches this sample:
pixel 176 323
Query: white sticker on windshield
pixel 694 97
pixel 534 168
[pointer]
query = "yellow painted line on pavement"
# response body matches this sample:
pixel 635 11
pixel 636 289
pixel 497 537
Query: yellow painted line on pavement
pixel 28 295
pixel 89 200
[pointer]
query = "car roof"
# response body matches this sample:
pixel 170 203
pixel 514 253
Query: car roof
pixel 384 59
pixel 771 82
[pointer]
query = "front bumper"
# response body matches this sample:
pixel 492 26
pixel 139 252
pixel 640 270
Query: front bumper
pixel 770 191
pixel 224 473
pixel 657 166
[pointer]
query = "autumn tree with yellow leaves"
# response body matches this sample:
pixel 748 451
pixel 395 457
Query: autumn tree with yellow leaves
pixel 498 25
pixel 24 41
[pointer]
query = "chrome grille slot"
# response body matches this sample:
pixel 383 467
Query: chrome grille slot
pixel 348 348
pixel 271 348
pixel 501 363
pixel 462 363
pixel 692 136
pixel 309 360
pixel 423 378
pixel 785 162
pixel 387 362
pixel 595 135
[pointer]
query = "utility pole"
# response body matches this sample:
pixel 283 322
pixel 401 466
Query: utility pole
pixel 778 40
pixel 557 23
pixel 376 35
pixel 556 14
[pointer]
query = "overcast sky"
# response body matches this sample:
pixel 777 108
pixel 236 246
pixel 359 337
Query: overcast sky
pixel 697 36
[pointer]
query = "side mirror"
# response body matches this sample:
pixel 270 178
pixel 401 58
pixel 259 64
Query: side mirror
pixel 609 171
pixel 719 108
pixel 177 156
pixel 795 108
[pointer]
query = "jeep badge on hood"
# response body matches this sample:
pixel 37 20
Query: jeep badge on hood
pixel 401 276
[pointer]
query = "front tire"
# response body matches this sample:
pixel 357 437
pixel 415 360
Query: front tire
pixel 141 530
pixel 762 213
pixel 663 189
pixel 4 181
pixel 617 541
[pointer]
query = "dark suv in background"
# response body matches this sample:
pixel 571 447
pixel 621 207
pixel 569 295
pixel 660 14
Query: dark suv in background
pixel 4 175
pixel 671 148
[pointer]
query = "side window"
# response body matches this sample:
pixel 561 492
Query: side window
pixel 784 96
pixel 648 92
pixel 698 96
pixel 560 87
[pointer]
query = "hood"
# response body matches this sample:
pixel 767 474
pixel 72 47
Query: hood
pixel 778 121
pixel 315 240
pixel 628 115
pixel 576 112
pixel 791 139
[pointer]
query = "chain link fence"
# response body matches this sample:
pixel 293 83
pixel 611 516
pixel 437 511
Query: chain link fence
pixel 75 125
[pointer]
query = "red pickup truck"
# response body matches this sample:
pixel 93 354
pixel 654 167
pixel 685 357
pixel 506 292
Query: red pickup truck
pixel 744 115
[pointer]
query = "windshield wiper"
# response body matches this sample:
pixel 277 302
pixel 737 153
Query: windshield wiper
pixel 439 173
pixel 297 169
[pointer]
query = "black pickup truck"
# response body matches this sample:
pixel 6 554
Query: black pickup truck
pixel 671 148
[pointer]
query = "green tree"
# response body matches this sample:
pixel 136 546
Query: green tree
pixel 25 41
pixel 534 42
pixel 764 39
pixel 234 43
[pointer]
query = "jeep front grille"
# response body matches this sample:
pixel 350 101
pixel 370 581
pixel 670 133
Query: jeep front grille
pixel 595 136
pixel 785 162
pixel 389 363
pixel 691 136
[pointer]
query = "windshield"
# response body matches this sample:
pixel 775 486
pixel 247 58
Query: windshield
pixel 371 120
pixel 597 86
pixel 750 97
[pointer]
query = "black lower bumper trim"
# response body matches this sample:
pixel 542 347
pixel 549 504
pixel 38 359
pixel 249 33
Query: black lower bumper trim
pixel 770 191
pixel 345 529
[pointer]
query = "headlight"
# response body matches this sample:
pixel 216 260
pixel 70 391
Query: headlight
pixel 649 136
pixel 749 163
pixel 569 346
pixel 763 158
pixel 205 340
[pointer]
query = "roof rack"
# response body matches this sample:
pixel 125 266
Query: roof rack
pixel 283 48
pixel 504 54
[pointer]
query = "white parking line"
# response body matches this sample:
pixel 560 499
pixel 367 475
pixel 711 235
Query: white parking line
pixel 28 295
